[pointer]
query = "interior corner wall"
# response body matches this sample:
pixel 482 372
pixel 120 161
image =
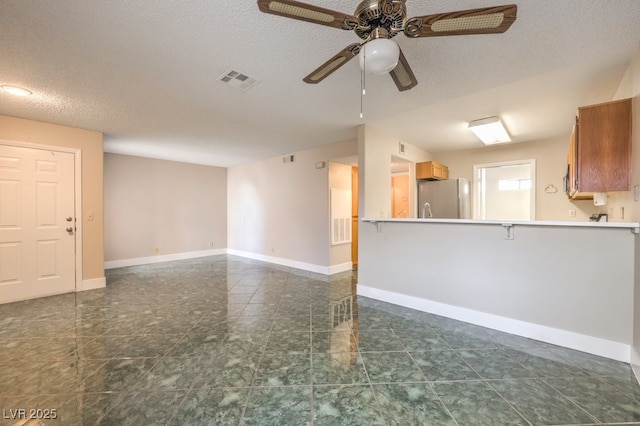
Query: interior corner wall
pixel 635 347
pixel 279 211
pixel 630 88
pixel 635 167
pixel 177 207
pixel 90 144
pixel 375 150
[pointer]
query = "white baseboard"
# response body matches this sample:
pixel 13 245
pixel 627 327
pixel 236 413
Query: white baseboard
pixel 343 267
pixel 92 284
pixel 325 270
pixel 635 362
pixel 162 258
pixel 581 342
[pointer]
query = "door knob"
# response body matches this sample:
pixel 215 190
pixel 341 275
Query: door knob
pixel 69 219
pixel 70 229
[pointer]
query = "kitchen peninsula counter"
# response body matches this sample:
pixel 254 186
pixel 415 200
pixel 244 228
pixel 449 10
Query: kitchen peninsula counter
pixel 630 225
pixel 567 283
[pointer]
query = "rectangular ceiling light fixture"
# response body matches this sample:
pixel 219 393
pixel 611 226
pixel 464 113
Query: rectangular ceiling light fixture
pixel 490 130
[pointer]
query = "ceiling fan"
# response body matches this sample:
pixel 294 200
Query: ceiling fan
pixel 378 21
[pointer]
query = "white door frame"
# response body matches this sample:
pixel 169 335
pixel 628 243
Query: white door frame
pixel 77 183
pixel 476 191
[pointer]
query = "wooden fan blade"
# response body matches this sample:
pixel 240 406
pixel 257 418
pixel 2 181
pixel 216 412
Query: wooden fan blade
pixel 487 20
pixel 309 13
pixel 402 74
pixel 326 69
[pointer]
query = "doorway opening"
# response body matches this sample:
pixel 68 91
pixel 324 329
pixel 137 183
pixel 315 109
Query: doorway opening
pixel 505 191
pixel 400 188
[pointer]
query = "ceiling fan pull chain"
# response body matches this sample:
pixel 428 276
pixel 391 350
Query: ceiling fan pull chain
pixel 363 90
pixel 364 74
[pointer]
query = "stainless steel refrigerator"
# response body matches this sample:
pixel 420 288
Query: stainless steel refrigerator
pixel 444 199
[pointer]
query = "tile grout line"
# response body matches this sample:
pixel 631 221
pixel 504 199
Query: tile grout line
pixel 190 390
pixel 486 382
pixel 366 372
pixel 311 381
pixel 255 372
pixel 432 387
pixel 544 380
pixel 118 405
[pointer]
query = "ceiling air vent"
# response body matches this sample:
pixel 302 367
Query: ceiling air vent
pixel 238 79
pixel 288 159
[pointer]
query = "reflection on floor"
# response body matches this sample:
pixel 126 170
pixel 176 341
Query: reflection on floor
pixel 226 340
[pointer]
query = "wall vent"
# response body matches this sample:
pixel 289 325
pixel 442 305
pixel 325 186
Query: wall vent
pixel 340 211
pixel 402 149
pixel 238 79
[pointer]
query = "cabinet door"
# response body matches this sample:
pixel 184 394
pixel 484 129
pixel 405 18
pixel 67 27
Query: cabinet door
pixel 437 170
pixel 432 170
pixel 604 147
pixel 424 170
pixel 572 162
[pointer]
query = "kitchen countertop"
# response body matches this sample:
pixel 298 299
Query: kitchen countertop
pixel 635 226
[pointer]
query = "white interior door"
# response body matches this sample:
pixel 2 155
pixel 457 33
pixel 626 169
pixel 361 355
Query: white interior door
pixel 37 223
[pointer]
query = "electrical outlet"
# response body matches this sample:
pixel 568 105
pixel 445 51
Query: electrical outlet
pixel 621 212
pixel 211 244
pixel 572 213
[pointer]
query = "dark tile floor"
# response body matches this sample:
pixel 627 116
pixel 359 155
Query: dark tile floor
pixel 225 340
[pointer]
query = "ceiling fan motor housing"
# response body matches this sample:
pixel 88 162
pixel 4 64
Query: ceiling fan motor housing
pixel 376 15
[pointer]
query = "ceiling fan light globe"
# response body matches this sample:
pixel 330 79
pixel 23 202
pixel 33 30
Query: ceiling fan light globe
pixel 379 56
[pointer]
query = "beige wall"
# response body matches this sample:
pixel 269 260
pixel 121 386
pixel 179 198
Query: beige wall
pixel 630 88
pixel 634 72
pixel 551 166
pixel 90 144
pixel 279 211
pixel 177 207
pixel 375 152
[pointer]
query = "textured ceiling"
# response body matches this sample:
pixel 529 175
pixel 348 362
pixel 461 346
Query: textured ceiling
pixel 145 73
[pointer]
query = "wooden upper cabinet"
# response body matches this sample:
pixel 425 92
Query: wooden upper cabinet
pixel 572 177
pixel 432 170
pixel 600 150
